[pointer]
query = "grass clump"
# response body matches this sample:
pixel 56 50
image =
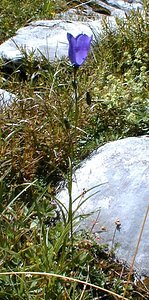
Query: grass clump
pixel 37 137
pixel 35 243
pixel 15 13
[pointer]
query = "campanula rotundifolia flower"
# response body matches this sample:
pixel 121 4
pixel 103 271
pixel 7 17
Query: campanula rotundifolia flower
pixel 79 47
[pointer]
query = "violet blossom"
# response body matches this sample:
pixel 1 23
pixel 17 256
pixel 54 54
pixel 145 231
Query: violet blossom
pixel 79 47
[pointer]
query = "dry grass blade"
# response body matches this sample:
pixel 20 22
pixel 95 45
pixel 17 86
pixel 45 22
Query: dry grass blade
pixel 136 250
pixel 66 278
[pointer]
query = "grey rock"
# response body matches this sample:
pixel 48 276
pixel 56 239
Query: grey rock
pixel 96 8
pixel 126 5
pixel 6 98
pixel 118 174
pixel 48 38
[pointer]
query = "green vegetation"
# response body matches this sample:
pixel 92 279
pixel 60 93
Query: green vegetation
pixel 17 13
pixel 36 138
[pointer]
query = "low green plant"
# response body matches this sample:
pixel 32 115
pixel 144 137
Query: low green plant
pixel 15 14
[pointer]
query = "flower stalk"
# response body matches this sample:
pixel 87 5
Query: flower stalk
pixel 79 47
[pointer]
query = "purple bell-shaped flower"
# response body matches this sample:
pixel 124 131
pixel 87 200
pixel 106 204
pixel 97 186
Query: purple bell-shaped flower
pixel 79 47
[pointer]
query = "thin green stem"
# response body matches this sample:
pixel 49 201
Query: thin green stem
pixel 70 212
pixel 43 234
pixel 75 86
pixel 76 112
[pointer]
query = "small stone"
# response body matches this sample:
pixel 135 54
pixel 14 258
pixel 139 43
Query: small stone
pixel 6 98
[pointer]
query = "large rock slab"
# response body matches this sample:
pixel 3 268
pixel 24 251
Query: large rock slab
pixel 48 38
pixel 121 169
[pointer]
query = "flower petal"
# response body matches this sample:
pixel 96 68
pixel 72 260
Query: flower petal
pixel 78 48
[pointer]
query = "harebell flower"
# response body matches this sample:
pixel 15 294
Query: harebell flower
pixel 78 50
pixel 79 47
